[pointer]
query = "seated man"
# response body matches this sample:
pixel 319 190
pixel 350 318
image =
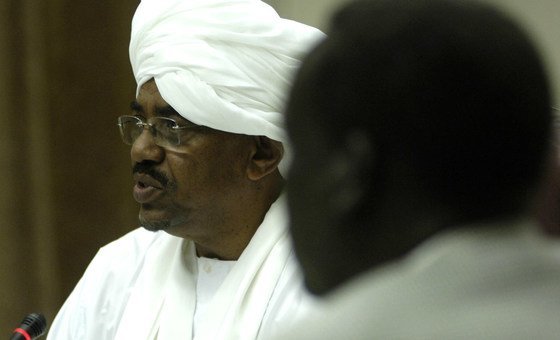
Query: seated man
pixel 213 259
pixel 421 131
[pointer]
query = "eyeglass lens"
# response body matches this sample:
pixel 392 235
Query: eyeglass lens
pixel 162 130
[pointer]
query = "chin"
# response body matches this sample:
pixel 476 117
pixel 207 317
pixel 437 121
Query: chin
pixel 153 225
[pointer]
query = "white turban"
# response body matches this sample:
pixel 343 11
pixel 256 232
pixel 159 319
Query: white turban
pixel 225 64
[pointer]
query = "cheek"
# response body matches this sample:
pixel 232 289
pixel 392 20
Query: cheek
pixel 184 172
pixel 229 162
pixel 209 172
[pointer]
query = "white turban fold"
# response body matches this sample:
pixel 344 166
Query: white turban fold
pixel 225 64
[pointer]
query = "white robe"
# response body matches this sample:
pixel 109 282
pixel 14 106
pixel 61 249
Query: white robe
pixel 143 286
pixel 486 283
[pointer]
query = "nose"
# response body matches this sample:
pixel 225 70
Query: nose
pixel 144 148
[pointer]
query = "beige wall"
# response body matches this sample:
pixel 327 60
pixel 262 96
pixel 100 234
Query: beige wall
pixel 540 17
pixel 311 12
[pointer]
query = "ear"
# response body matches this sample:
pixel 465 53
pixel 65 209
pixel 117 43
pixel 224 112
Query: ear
pixel 349 168
pixel 266 156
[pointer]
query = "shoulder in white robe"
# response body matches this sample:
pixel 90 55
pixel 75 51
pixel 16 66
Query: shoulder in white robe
pixel 143 286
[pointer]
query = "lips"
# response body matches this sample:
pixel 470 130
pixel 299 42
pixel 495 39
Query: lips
pixel 146 189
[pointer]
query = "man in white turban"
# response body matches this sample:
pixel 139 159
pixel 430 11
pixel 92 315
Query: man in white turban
pixel 213 259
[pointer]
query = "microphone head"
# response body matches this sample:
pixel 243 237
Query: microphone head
pixel 35 324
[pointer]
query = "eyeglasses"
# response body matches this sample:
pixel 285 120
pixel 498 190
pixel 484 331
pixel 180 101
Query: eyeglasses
pixel 165 131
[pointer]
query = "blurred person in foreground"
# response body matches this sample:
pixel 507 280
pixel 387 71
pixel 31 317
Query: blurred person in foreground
pixel 213 259
pixel 421 132
pixel 548 208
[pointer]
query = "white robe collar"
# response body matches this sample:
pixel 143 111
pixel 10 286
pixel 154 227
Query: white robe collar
pixel 163 301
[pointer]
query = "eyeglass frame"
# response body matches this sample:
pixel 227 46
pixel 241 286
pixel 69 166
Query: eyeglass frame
pixel 147 125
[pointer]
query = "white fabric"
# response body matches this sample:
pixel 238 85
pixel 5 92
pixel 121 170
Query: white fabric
pixel 467 284
pixel 211 274
pixel 226 64
pixel 143 285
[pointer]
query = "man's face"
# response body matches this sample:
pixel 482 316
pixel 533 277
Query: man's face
pixel 191 190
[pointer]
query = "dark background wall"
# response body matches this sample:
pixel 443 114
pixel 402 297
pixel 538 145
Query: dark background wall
pixel 65 174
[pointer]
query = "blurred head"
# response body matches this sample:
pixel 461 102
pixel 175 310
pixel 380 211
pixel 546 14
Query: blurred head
pixel 548 203
pixel 411 117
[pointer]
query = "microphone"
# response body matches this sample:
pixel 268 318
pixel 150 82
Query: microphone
pixel 33 326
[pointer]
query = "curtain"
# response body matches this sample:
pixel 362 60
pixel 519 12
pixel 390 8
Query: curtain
pixel 65 174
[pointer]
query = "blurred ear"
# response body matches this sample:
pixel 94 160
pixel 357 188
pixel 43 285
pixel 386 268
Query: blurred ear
pixel 266 156
pixel 349 170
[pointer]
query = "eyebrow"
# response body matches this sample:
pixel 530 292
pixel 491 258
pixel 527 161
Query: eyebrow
pixel 136 107
pixel 165 111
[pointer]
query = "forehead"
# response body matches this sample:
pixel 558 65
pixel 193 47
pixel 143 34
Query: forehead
pixel 150 103
pixel 149 95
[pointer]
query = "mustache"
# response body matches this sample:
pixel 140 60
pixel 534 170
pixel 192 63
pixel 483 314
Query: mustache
pixel 149 169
